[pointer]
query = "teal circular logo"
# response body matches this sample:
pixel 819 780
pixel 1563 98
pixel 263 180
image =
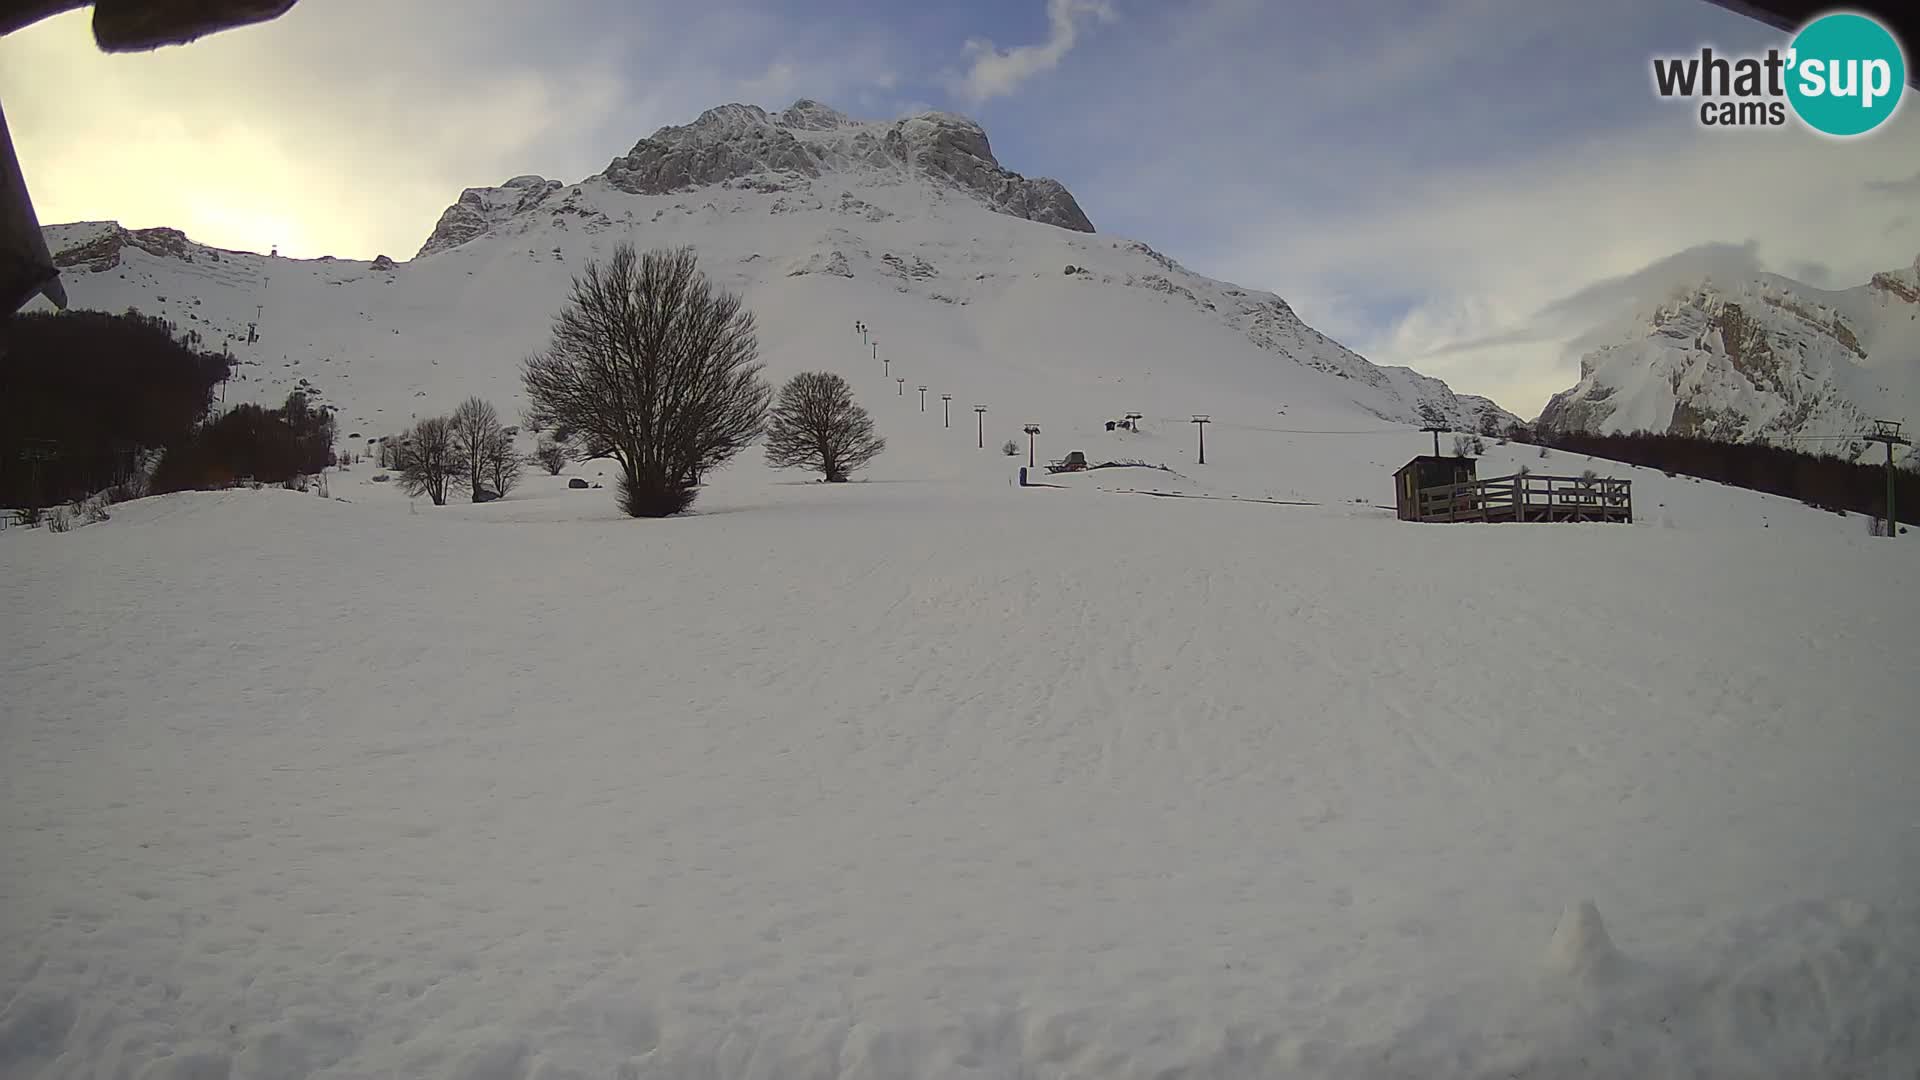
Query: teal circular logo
pixel 1845 74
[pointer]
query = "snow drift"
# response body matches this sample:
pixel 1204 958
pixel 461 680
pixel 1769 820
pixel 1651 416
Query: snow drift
pixel 912 779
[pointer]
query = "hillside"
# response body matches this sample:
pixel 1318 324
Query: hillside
pixel 913 227
pixel 1764 358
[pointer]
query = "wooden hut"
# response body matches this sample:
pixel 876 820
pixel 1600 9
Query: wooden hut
pixel 1445 489
pixel 1424 472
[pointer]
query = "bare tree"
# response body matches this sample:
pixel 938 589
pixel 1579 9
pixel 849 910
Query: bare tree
pixel 503 465
pixel 817 425
pixel 551 456
pixel 476 431
pixel 651 365
pixel 428 459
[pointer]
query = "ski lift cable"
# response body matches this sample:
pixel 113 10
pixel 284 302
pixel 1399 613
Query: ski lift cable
pixel 1298 431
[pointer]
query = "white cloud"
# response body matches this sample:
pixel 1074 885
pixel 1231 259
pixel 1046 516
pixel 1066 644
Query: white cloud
pixel 777 83
pixel 345 128
pixel 1505 266
pixel 1430 228
pixel 998 72
pixel 308 131
pixel 1425 185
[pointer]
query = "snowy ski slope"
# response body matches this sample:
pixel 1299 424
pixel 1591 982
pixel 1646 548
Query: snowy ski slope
pixel 941 777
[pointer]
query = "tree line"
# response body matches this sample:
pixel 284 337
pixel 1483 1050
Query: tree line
pixel 649 365
pixel 85 395
pixel 269 446
pixel 1820 480
pixel 468 450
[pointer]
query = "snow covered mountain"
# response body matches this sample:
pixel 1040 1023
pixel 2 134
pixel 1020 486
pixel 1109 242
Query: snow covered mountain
pixel 1765 358
pixel 911 225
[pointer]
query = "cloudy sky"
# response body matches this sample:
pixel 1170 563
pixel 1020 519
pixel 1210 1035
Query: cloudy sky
pixel 1464 186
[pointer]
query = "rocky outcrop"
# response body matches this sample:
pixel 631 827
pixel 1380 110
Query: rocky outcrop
pixel 908 267
pixel 742 147
pixel 741 143
pixel 809 115
pixel 1900 287
pixel 1044 200
pixel 832 263
pixel 480 210
pixel 955 149
pixel 727 143
pixel 381 262
pixel 103 251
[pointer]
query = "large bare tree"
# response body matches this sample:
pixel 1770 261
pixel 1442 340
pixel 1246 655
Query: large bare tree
pixel 817 425
pixel 428 459
pixel 476 433
pixel 503 464
pixel 653 366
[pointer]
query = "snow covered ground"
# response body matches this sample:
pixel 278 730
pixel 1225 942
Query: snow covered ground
pixel 933 776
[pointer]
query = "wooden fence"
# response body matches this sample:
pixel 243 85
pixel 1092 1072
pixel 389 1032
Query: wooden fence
pixel 1528 497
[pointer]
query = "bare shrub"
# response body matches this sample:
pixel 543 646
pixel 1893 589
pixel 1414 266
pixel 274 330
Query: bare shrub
pixel 503 466
pixel 476 429
pixel 428 460
pixel 550 455
pixel 652 365
pixel 817 425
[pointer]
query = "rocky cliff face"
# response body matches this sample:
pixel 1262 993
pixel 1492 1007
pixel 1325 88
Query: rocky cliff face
pixel 480 209
pixel 1765 359
pixel 743 146
pixel 955 149
pixel 738 142
pixel 101 251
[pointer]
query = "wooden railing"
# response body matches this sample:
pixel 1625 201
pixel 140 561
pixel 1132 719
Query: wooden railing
pixel 1528 497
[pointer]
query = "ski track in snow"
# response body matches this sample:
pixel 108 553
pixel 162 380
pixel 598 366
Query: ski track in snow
pixel 895 780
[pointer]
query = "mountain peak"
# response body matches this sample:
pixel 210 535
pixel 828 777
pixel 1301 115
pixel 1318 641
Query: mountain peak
pixel 1759 357
pixel 478 210
pixel 810 115
pixel 808 142
pixel 719 122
